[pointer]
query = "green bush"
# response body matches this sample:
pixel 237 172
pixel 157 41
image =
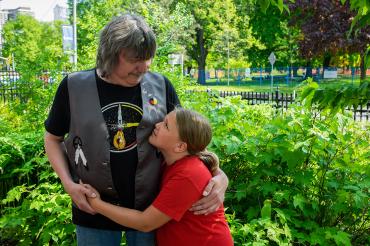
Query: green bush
pixel 296 178
pixel 301 177
pixel 34 208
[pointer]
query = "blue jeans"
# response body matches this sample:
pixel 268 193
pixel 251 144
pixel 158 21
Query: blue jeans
pixel 97 237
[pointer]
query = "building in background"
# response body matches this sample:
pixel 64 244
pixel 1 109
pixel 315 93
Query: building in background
pixel 60 13
pixel 12 13
pixel 3 19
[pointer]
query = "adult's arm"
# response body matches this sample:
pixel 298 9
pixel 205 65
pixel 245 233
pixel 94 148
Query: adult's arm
pixel 147 220
pixel 55 153
pixel 213 194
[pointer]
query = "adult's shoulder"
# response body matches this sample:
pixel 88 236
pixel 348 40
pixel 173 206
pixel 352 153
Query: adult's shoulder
pixel 155 75
pixel 82 73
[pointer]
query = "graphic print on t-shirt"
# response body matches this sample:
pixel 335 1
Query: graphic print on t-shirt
pixel 122 119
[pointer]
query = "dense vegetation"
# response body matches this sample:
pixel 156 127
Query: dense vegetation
pixel 299 177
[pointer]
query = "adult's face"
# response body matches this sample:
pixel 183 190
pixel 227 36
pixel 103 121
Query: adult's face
pixel 130 70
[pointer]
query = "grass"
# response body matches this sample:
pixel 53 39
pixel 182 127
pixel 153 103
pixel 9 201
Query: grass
pixel 265 85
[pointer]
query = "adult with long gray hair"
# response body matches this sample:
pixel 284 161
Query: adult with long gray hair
pixel 97 133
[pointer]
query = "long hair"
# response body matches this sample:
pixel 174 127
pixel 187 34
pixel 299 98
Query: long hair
pixel 196 132
pixel 129 32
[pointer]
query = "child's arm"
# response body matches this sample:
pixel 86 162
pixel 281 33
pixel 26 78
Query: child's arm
pixel 145 221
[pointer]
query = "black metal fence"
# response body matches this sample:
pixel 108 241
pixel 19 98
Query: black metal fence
pixel 283 100
pixel 13 86
pixel 10 90
pixel 282 76
pixel 12 93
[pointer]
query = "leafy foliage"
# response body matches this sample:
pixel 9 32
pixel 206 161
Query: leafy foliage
pixel 170 26
pixel 301 177
pixel 36 46
pixel 214 21
pixel 325 26
pixel 34 208
pixel 336 99
pixel 43 216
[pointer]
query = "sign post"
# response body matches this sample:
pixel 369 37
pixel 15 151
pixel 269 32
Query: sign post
pixel 68 41
pixel 272 59
pixel 177 59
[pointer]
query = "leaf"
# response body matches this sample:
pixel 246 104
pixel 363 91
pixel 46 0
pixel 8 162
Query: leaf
pixel 351 187
pixel 15 194
pixel 299 201
pixel 266 210
pixel 280 5
pixel 252 212
pixel 241 192
pixel 232 145
pixel 293 159
pixel 342 238
pixel 269 188
pixel 361 199
pixel 281 215
pixel 264 5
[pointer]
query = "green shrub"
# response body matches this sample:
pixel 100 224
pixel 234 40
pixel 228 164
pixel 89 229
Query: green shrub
pixel 296 178
pixel 301 177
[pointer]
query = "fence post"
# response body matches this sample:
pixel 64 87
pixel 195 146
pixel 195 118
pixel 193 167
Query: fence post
pixel 277 98
pixel 260 76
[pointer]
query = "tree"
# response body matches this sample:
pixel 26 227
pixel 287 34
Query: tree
pixel 169 27
pixel 92 16
pixel 172 24
pixel 214 20
pixel 325 25
pixel 244 38
pixel 36 46
pixel 276 36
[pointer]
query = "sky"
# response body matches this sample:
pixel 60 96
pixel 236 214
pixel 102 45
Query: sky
pixel 43 9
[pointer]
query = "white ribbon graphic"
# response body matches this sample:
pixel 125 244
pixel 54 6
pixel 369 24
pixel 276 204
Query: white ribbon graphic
pixel 79 153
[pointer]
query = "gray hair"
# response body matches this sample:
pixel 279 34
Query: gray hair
pixel 129 32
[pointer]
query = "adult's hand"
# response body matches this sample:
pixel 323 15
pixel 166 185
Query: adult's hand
pixel 78 193
pixel 213 195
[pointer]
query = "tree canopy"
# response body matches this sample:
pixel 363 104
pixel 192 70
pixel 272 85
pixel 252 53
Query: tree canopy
pixel 36 46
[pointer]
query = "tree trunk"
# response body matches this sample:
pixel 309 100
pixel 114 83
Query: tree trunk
pixel 308 70
pixel 201 57
pixel 362 66
pixel 326 63
pixel 188 69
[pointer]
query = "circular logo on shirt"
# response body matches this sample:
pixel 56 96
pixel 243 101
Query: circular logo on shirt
pixel 122 119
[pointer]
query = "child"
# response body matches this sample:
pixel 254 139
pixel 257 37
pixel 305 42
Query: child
pixel 182 138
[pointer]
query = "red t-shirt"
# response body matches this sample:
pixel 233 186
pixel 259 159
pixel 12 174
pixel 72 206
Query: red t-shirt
pixel 182 185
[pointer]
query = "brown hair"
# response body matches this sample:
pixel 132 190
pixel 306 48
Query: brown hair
pixel 196 132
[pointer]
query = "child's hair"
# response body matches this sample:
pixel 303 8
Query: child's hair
pixel 196 132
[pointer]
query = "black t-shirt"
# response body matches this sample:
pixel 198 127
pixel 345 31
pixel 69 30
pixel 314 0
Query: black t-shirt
pixel 119 104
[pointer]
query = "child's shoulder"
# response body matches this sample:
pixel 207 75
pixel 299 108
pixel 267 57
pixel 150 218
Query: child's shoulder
pixel 192 166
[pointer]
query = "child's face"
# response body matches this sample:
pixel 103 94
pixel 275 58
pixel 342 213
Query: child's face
pixel 165 135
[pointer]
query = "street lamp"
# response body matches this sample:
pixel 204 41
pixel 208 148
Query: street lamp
pixel 228 65
pixel 74 34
